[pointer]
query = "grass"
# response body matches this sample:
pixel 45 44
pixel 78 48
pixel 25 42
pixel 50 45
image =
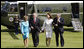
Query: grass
pixel 10 40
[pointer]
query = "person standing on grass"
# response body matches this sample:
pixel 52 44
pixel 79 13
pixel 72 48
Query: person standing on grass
pixel 16 23
pixel 25 30
pixel 35 29
pixel 47 25
pixel 58 23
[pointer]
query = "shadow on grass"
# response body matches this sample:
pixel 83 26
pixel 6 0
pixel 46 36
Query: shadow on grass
pixel 11 33
pixel 9 30
pixel 70 30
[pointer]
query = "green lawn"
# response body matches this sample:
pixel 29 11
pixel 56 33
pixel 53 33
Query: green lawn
pixel 10 40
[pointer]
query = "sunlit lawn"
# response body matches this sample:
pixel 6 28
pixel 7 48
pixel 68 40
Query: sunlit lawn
pixel 10 40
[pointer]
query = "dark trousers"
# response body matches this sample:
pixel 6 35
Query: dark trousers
pixel 61 38
pixel 16 28
pixel 35 37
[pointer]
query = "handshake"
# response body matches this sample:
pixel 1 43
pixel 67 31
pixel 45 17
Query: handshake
pixel 41 31
pixel 55 24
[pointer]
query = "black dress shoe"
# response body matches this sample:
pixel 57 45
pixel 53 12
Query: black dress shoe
pixel 62 45
pixel 35 46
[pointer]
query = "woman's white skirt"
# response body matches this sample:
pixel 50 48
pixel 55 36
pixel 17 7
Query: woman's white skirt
pixel 49 34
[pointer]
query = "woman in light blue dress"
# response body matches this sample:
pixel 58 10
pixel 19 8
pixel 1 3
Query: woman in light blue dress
pixel 25 30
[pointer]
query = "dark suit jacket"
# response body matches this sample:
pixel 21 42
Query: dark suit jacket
pixel 37 25
pixel 60 25
pixel 14 22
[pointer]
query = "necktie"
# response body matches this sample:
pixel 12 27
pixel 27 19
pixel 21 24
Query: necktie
pixel 34 21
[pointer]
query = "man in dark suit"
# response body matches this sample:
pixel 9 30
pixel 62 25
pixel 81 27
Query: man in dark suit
pixel 58 23
pixel 16 24
pixel 35 29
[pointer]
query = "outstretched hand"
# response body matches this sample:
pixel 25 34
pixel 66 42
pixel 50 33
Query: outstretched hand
pixel 41 30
